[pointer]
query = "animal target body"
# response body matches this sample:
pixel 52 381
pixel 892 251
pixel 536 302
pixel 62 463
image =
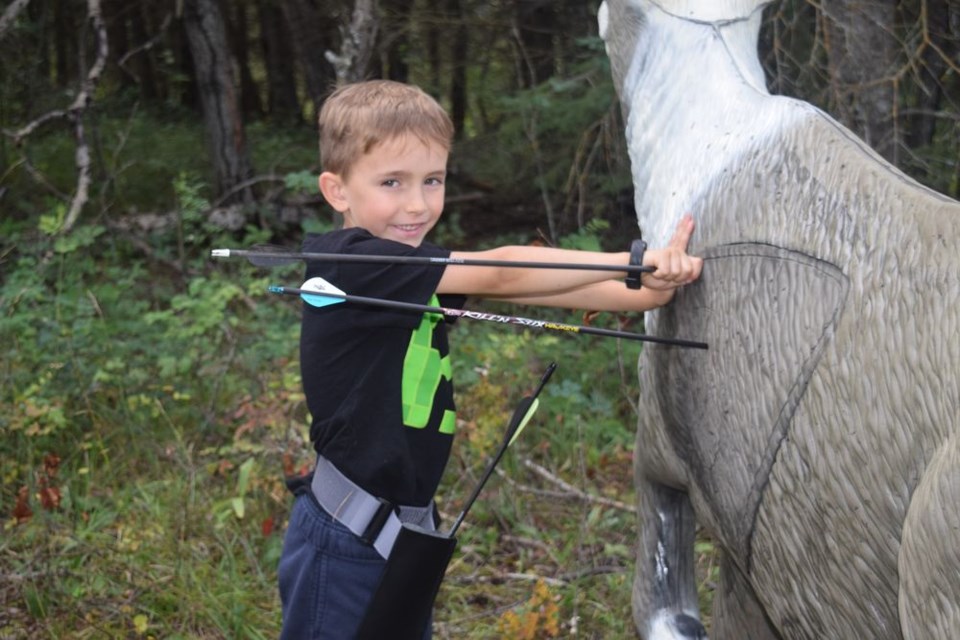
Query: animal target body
pixel 817 440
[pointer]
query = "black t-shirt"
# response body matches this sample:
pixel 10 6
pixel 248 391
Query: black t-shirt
pixel 377 381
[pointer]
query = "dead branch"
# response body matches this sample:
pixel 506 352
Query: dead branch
pixel 539 545
pixel 75 113
pixel 146 249
pixel 270 177
pixel 24 131
pixel 10 15
pixel 568 490
pixel 78 108
pixel 146 46
pixel 504 576
pixel 559 581
pixel 359 39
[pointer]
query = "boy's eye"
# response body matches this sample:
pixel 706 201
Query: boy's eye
pixel 434 181
pixel 390 182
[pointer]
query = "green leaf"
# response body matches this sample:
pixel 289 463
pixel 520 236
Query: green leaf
pixel 238 507
pixel 52 223
pixel 243 479
pixel 140 623
pixel 301 182
pixel 78 238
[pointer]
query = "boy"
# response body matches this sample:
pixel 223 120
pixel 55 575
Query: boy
pixel 377 381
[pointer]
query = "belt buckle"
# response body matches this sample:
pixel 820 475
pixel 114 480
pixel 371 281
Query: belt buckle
pixel 375 526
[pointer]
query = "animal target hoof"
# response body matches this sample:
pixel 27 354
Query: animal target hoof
pixel 678 626
pixel 690 627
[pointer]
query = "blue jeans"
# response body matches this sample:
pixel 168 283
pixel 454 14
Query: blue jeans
pixel 327 576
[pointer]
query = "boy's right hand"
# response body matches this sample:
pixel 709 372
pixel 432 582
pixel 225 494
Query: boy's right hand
pixel 675 267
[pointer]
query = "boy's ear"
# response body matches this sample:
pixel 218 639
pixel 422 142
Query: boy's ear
pixel 332 188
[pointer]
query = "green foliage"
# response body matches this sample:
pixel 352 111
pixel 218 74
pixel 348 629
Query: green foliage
pixel 141 152
pixel 174 409
pixel 587 238
pixel 285 150
pixel 172 445
pixel 190 203
pixel 52 223
pixel 151 415
pixel 300 182
pixel 152 398
pixel 555 140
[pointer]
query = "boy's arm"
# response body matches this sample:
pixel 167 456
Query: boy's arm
pixel 580 289
pixel 601 296
pixel 510 282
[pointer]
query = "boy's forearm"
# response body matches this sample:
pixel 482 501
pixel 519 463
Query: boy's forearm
pixel 602 296
pixel 561 287
pixel 509 282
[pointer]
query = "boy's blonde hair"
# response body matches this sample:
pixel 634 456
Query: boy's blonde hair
pixel 358 117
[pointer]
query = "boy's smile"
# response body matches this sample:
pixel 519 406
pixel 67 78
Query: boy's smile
pixel 395 191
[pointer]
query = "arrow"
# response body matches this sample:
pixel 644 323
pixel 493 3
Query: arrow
pixel 521 416
pixel 405 595
pixel 320 293
pixel 277 256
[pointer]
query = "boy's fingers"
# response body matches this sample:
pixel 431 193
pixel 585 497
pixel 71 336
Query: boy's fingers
pixel 675 268
pixel 681 236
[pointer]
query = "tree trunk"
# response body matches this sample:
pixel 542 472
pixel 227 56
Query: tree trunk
pixel 142 34
pixel 64 45
pixel 923 124
pixel 188 93
pixel 458 72
pixel 862 50
pixel 115 17
pixel 282 101
pixel 10 14
pixel 37 14
pixel 535 26
pixel 218 98
pixel 250 103
pixel 434 45
pixel 311 37
pixel 395 38
pixel 357 44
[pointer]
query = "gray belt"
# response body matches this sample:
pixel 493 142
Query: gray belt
pixel 372 519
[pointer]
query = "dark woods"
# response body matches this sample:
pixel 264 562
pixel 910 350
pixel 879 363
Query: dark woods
pixel 524 80
pixel 151 395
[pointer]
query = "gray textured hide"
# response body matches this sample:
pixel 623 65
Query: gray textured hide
pixel 817 440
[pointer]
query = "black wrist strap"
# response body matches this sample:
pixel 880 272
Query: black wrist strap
pixel 637 248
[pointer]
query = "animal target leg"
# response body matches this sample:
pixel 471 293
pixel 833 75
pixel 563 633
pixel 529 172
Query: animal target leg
pixel 930 551
pixel 737 614
pixel 665 589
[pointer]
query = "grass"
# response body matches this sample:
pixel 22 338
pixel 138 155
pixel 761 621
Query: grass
pixel 156 499
pixel 150 417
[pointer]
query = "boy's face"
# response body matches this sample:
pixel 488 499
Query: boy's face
pixel 395 192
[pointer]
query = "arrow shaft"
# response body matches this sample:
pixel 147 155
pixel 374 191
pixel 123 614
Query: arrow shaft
pixel 490 317
pixel 517 422
pixel 273 258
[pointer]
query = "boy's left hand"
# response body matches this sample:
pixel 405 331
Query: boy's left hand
pixel 674 267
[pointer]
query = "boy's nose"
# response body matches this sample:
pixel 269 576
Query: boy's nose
pixel 416 202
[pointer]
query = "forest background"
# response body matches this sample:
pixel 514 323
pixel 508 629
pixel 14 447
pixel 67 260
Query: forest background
pixel 150 396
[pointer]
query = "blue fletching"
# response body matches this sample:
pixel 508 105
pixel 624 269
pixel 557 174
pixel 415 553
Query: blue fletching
pixel 319 301
pixel 321 286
